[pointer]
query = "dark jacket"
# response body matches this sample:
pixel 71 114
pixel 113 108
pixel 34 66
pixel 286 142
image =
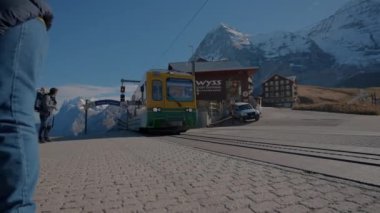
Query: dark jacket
pixel 49 104
pixel 14 12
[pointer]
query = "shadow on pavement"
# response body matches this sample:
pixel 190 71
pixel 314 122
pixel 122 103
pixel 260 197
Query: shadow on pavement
pixel 90 136
pixel 231 122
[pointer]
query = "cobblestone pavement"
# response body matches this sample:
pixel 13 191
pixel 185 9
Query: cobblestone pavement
pixel 144 175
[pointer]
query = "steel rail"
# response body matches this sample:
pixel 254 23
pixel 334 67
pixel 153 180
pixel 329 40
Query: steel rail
pixel 322 153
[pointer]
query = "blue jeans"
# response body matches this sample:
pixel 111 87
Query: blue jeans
pixel 22 49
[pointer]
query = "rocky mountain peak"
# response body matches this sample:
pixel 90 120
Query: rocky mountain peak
pixel 355 6
pixel 356 14
pixel 352 34
pixel 221 40
pixel 235 37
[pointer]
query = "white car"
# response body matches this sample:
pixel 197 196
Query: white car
pixel 245 112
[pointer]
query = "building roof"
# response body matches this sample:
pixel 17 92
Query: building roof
pixel 292 78
pixel 208 66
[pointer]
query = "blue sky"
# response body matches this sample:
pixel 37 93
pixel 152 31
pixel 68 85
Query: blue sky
pixel 93 44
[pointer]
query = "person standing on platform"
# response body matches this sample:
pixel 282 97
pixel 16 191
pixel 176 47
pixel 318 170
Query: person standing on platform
pixel 48 105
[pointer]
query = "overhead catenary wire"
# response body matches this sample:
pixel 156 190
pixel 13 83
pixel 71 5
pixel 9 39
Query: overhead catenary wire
pixel 185 27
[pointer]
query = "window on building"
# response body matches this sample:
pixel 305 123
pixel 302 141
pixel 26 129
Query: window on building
pixel 288 93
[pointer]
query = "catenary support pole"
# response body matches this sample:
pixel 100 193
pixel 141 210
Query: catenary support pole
pixel 85 118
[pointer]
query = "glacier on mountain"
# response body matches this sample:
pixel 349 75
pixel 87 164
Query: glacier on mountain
pixel 70 119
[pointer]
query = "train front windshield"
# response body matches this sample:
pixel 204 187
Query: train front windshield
pixel 180 89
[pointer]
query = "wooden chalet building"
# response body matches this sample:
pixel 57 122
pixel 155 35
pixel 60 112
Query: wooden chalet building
pixel 279 91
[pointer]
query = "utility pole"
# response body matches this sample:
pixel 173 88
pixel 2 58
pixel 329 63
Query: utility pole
pixel 194 83
pixel 194 79
pixel 193 72
pixel 122 95
pixel 85 118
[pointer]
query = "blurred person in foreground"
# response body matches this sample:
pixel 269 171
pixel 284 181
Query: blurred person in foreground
pixel 23 43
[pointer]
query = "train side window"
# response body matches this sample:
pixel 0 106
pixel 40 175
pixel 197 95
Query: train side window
pixel 157 90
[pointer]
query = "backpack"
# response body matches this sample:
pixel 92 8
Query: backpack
pixel 38 102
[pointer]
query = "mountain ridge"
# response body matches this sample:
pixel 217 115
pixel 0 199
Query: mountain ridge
pixel 325 54
pixel 70 119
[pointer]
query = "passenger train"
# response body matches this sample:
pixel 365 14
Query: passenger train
pixel 163 102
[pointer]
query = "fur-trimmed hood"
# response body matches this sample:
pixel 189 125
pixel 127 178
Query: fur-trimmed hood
pixel 14 12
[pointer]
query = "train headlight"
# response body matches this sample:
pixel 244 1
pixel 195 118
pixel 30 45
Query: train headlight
pixel 155 109
pixel 189 110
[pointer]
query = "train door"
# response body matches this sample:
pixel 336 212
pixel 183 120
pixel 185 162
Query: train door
pixel 155 91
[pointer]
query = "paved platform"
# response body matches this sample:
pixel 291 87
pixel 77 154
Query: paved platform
pixel 139 174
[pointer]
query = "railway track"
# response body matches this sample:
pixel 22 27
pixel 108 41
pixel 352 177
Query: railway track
pixel 339 155
pixel 363 167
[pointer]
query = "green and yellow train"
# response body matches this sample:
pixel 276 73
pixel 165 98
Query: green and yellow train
pixel 163 102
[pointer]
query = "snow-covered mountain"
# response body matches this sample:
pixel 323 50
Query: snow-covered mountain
pixel 352 34
pixel 340 47
pixel 70 120
pixel 225 42
pixel 279 44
